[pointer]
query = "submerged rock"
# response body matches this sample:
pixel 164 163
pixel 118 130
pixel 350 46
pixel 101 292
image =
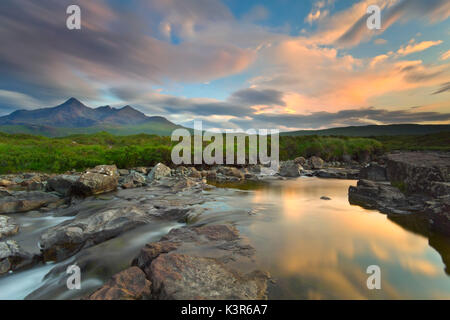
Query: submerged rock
pixel 130 284
pixel 7 227
pixel 23 201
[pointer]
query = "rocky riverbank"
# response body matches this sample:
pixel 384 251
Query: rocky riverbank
pixel 407 183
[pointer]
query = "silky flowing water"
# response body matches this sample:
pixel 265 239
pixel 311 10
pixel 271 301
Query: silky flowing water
pixel 313 248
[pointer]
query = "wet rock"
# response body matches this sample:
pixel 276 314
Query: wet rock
pixel 22 201
pixel 89 228
pixel 290 169
pixel 373 172
pixel 7 227
pixel 416 171
pixel 377 195
pixel 159 171
pixel 254 168
pixel 338 173
pixel 123 172
pixel 133 180
pixel 62 184
pixel 316 162
pixel 142 170
pixel 99 180
pixel 438 213
pixel 130 284
pixel 209 262
pixel 12 257
pixel 231 172
pixel 325 198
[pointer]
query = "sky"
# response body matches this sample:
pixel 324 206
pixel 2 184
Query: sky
pixel 272 64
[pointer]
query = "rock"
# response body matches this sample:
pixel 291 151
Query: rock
pixel 338 173
pixel 194 173
pixel 364 156
pixel 377 195
pixel 373 172
pixel 211 175
pixel 202 263
pixel 22 201
pixel 133 180
pixel 130 284
pixel 90 227
pixel 316 162
pixel 439 189
pixel 62 184
pixel 159 171
pixel 142 170
pixel 290 169
pixel 12 257
pixel 99 180
pixel 325 198
pixel 231 172
pixel 254 168
pixel 124 172
pixel 438 213
pixel 7 227
pixel 4 192
pixel 416 171
pixel 300 160
pixel 5 183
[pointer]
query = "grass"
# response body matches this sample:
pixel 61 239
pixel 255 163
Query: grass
pixel 25 153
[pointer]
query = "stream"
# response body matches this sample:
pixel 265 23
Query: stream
pixel 313 248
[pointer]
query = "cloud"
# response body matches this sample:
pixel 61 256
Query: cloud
pixel 444 88
pixel 111 48
pixel 445 55
pixel 417 47
pixel 253 97
pixel 346 118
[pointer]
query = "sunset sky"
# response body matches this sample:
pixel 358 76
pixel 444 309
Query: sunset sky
pixel 286 64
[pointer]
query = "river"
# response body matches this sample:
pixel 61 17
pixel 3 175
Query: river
pixel 313 248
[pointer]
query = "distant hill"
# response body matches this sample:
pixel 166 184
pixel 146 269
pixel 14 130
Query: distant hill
pixel 374 130
pixel 73 117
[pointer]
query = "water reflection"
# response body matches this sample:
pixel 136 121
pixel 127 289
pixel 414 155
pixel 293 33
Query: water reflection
pixel 319 249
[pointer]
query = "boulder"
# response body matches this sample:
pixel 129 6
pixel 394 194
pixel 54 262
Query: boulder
pixel 12 257
pixel 99 180
pixel 159 171
pixel 290 169
pixel 90 227
pixel 231 172
pixel 439 189
pixel 130 284
pixel 7 227
pixel 300 160
pixel 416 171
pixel 338 173
pixel 373 172
pixel 133 180
pixel 62 184
pixel 438 213
pixel 123 172
pixel 23 201
pixel 202 263
pixel 378 195
pixel 316 162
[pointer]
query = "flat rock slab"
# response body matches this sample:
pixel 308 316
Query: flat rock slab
pixel 23 201
pixel 208 262
pixel 7 227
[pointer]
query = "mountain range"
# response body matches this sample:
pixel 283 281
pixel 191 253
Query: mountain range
pixel 73 117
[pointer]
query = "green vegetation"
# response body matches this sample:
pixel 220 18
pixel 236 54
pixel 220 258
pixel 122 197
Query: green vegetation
pixel 23 152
